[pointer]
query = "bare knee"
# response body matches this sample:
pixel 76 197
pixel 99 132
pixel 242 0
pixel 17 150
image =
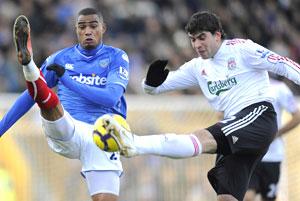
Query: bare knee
pixel 208 142
pixel 53 114
pixel 226 197
pixel 250 195
pixel 104 197
pixel 62 128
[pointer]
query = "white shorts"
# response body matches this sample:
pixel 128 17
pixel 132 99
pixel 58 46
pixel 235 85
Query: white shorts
pixel 74 139
pixel 103 182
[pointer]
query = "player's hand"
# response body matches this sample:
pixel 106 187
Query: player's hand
pixel 58 69
pixel 157 73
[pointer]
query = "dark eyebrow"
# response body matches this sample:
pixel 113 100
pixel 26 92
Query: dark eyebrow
pixel 201 34
pixel 84 22
pixel 196 35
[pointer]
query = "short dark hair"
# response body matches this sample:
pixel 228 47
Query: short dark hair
pixel 204 21
pixel 90 11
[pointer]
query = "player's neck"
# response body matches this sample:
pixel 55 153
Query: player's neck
pixel 90 52
pixel 218 47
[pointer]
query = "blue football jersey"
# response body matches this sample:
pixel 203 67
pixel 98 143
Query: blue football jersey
pixel 96 68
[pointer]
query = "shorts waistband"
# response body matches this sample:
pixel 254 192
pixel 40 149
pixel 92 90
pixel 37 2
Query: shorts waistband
pixel 266 103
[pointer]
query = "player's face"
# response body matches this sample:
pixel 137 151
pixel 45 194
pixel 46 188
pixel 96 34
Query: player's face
pixel 89 30
pixel 205 44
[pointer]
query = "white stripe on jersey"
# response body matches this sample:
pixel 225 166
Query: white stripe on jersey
pixel 290 63
pixel 252 116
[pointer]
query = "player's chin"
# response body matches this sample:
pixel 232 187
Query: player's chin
pixel 89 45
pixel 202 55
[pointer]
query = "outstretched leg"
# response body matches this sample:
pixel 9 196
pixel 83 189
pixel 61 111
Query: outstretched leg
pixel 36 84
pixel 169 145
pixel 56 125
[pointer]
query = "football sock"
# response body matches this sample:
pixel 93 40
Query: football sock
pixel 31 71
pixel 37 87
pixel 169 145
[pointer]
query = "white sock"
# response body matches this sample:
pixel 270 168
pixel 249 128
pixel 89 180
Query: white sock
pixel 31 71
pixel 169 145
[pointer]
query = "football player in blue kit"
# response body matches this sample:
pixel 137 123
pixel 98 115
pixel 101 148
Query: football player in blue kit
pixel 91 79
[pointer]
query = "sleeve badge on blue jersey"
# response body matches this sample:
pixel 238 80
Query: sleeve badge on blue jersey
pixel 124 74
pixel 125 57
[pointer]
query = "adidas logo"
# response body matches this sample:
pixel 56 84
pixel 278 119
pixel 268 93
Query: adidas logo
pixel 234 139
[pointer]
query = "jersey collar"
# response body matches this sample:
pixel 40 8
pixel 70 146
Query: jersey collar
pixel 89 53
pixel 220 50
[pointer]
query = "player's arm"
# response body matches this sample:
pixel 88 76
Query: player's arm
pixel 261 58
pixel 19 108
pixel 291 124
pixel 289 103
pixel 117 81
pixel 107 96
pixel 159 79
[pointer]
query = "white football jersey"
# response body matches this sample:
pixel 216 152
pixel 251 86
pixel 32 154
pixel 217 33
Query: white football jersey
pixel 236 77
pixel 284 100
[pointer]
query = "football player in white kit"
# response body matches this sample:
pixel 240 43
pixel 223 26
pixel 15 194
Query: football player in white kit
pixel 233 75
pixel 265 178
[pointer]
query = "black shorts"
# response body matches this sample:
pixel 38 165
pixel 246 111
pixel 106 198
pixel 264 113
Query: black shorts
pixel 242 141
pixel 265 179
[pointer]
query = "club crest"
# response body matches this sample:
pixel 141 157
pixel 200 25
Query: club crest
pixel 104 63
pixel 231 64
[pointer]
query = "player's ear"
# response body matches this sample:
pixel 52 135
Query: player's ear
pixel 76 27
pixel 103 28
pixel 218 35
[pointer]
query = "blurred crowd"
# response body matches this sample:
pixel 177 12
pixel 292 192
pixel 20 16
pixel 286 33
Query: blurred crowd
pixel 146 30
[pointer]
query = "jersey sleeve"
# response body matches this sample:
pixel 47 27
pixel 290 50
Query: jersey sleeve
pixel 50 76
pixel 183 78
pixel 119 70
pixel 107 96
pixel 287 99
pixel 19 108
pixel 259 57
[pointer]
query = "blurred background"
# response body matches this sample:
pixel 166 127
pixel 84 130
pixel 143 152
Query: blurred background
pixel 146 30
